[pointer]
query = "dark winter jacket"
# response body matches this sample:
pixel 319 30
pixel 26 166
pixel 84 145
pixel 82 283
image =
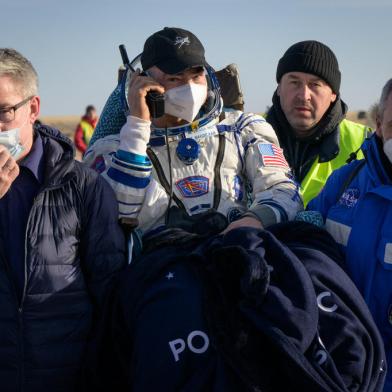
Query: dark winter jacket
pixel 74 249
pixel 247 311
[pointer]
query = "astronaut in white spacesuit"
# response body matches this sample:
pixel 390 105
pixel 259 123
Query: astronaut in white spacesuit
pixel 191 158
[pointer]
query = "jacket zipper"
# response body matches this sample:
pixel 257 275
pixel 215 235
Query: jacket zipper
pixel 20 304
pixel 296 174
pixel 301 164
pixel 20 319
pixel 25 259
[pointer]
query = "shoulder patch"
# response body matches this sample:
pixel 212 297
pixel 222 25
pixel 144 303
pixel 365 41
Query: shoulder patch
pixel 272 155
pixel 99 164
pixel 349 198
pixel 193 186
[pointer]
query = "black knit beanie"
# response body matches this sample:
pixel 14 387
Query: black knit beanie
pixel 311 57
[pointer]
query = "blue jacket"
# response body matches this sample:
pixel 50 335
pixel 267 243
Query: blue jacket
pixel 360 220
pixel 246 311
pixel 74 249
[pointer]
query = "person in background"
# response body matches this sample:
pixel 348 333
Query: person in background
pixel 356 204
pixel 308 116
pixel 85 129
pixel 60 243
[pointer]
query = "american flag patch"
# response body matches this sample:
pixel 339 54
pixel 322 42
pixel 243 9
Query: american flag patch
pixel 272 155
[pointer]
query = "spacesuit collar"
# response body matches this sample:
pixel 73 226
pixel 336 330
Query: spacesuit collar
pixel 195 126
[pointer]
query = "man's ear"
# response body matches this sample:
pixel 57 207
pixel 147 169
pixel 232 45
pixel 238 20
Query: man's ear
pixel 35 104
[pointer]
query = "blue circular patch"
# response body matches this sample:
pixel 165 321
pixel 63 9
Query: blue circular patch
pixel 188 150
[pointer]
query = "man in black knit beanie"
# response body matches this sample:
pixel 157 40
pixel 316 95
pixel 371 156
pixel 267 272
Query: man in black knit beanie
pixel 309 117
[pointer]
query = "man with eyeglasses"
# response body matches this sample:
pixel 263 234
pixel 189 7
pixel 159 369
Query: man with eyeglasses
pixel 60 244
pixel 9 168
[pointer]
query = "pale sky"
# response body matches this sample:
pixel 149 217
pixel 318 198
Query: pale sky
pixel 74 44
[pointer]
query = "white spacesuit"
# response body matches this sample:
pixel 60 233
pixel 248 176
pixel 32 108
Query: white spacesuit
pixel 227 163
pixel 237 158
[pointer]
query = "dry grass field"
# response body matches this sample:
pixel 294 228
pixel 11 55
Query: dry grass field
pixel 67 124
pixel 362 117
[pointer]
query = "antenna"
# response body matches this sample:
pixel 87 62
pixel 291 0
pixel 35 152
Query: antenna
pixel 124 57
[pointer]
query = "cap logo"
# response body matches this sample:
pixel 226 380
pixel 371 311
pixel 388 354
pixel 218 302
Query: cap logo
pixel 180 41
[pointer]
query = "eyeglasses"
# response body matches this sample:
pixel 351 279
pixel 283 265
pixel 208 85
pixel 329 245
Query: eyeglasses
pixel 8 114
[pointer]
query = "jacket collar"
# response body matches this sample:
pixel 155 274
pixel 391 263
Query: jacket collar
pixel 58 156
pixel 372 150
pixel 329 147
pixel 34 159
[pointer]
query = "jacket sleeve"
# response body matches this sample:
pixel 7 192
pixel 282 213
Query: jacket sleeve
pixel 79 139
pixel 330 194
pixel 275 194
pixel 102 243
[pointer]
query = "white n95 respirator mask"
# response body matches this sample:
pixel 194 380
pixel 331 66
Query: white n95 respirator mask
pixel 388 149
pixel 185 101
pixel 11 141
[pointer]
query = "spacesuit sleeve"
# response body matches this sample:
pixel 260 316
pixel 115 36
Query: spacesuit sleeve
pixel 123 162
pixel 275 195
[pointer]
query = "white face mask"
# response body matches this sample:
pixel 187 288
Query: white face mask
pixel 11 141
pixel 185 101
pixel 388 149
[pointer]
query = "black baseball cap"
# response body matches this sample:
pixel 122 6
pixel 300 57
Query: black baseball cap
pixel 173 50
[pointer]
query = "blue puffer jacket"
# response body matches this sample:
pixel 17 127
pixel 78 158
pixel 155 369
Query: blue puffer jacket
pixel 360 220
pixel 74 249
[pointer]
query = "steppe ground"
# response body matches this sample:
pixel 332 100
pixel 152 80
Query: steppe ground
pixel 67 124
